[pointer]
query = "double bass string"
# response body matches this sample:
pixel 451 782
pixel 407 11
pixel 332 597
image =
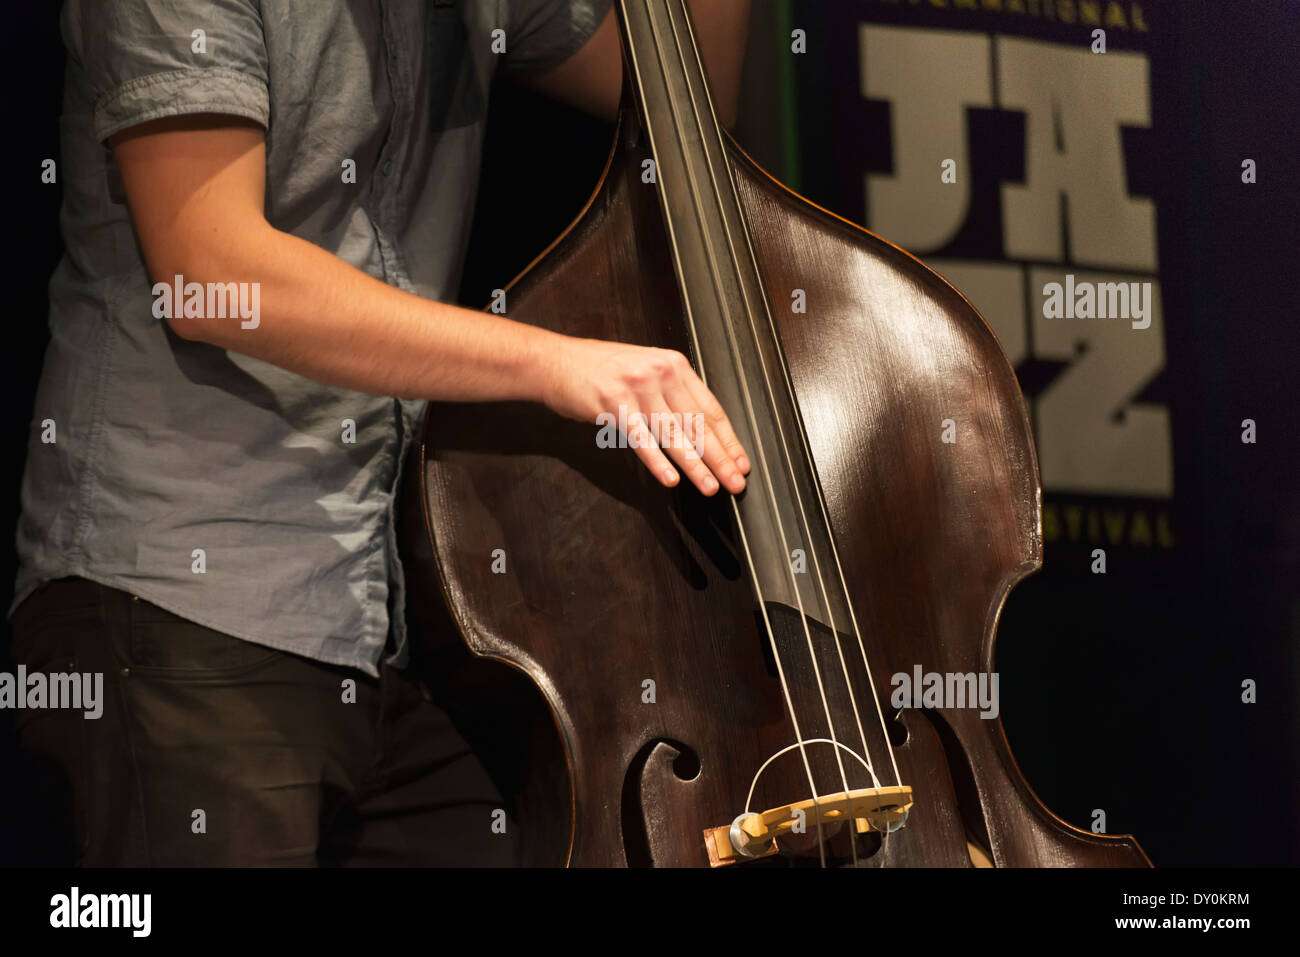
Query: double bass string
pixel 734 347
pixel 802 438
pixel 803 616
pixel 785 688
pixel 785 448
pixel 776 513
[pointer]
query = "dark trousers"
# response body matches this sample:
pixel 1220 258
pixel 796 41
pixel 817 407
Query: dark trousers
pixel 215 751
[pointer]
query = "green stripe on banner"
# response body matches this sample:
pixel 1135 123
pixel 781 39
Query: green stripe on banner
pixel 789 98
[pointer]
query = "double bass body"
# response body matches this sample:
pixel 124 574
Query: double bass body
pixel 641 666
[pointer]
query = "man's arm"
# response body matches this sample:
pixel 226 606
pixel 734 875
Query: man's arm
pixel 592 79
pixel 195 186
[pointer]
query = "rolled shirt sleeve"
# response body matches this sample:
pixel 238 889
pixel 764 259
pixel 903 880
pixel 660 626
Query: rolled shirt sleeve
pixel 545 33
pixel 146 59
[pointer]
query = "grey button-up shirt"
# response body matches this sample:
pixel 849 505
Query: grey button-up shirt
pixel 220 487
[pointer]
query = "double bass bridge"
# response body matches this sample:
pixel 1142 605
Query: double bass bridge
pixel 754 835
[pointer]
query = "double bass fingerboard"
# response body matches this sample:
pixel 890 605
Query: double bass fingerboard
pixel 781 518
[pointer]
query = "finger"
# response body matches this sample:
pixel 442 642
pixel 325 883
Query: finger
pixel 708 448
pixel 706 442
pixel 708 403
pixel 681 447
pixel 642 441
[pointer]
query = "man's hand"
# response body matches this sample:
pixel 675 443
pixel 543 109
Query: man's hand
pixel 646 387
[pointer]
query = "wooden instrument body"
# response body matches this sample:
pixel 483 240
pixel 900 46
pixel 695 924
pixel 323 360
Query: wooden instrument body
pixel 612 581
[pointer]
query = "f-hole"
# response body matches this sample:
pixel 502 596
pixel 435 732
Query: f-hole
pixel 636 842
pixel 963 779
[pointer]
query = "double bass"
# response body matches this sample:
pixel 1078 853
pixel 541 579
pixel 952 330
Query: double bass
pixel 685 681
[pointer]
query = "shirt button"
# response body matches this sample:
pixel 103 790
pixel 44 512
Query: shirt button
pixel 388 167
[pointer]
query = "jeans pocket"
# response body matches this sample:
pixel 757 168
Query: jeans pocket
pixel 167 645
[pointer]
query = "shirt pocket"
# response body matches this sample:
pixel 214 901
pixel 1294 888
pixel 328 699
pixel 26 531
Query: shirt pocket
pixel 456 94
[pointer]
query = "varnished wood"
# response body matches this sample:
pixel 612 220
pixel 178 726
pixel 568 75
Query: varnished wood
pixel 612 580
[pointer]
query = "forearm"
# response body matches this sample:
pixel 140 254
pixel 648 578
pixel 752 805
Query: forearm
pixel 195 186
pixel 333 323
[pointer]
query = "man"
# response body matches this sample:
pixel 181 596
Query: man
pixel 265 201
